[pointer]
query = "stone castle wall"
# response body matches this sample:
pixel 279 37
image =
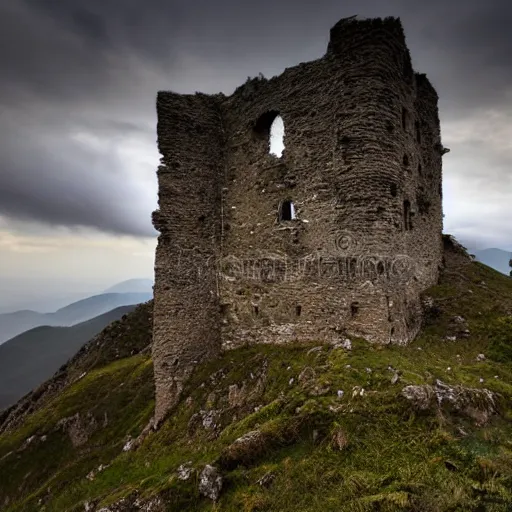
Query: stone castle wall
pixel 362 166
pixel 186 324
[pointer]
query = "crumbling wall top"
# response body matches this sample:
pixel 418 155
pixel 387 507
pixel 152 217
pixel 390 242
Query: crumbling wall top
pixel 354 29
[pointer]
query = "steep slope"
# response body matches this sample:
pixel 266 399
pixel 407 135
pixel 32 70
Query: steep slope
pixel 12 324
pixel 352 427
pixel 34 356
pixel 495 258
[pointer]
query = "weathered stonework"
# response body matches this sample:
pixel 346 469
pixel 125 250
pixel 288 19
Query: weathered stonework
pixel 362 166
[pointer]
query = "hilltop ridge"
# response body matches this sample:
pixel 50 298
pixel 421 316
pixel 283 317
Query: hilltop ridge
pixel 355 427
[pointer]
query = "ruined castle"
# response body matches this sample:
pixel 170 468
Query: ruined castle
pixel 337 237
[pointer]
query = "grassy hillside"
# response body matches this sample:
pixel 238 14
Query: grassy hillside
pixel 28 359
pixel 299 428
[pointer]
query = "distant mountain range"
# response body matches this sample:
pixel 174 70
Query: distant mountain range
pixel 30 358
pixel 495 258
pixel 132 286
pixel 12 324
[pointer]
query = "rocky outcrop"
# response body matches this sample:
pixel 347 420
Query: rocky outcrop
pixel 210 482
pixel 79 428
pixel 477 404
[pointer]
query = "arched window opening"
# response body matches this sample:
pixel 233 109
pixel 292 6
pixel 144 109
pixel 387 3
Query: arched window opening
pixel 276 141
pixel 298 310
pixel 407 215
pixel 393 189
pixel 270 126
pixel 264 122
pixel 287 211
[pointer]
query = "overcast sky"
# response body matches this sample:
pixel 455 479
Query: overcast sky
pixel 78 83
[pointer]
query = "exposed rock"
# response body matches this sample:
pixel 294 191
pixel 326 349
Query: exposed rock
pixel 27 443
pixel 346 344
pixel 357 391
pixel 267 479
pixel 92 474
pixel 395 378
pixel 129 445
pixel 210 482
pixel 480 357
pixel 478 404
pixel 236 395
pixel 339 439
pixel 155 504
pixel 244 449
pixel 185 471
pixel 209 418
pixel 135 504
pixel 78 428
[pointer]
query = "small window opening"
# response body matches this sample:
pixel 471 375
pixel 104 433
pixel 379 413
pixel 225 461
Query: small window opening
pixel 393 189
pixel 345 143
pixel 418 131
pixel 276 141
pixel 420 169
pixel 354 308
pixel 407 215
pixel 406 161
pixel 298 310
pixel 256 310
pixel 404 118
pixel 287 211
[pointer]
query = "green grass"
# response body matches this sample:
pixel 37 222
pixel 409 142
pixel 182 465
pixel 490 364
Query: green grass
pixel 391 458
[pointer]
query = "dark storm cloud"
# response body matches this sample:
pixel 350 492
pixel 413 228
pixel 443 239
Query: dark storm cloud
pixel 94 68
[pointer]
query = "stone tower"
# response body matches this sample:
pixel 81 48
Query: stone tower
pixel 338 236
